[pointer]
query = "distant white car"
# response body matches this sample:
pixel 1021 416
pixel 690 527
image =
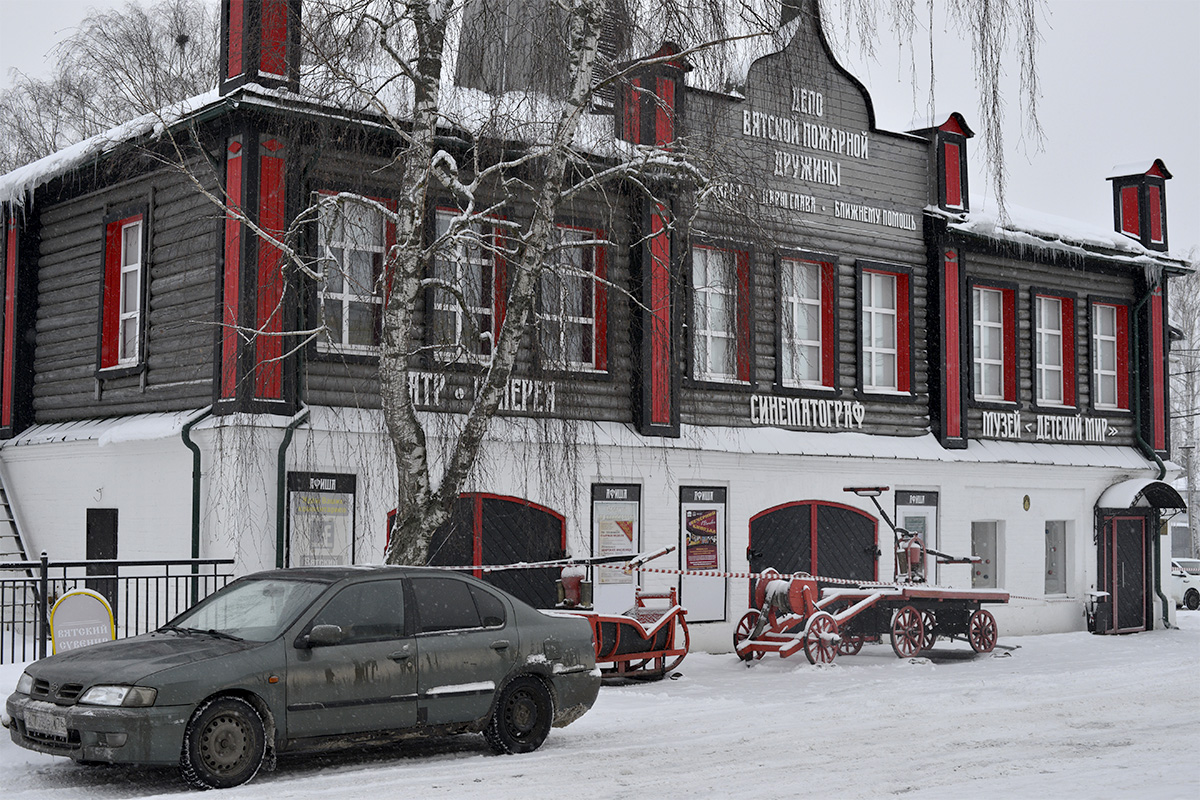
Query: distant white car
pixel 1185 582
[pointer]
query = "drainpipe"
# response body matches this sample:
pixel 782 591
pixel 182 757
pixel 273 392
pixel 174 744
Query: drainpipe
pixel 281 487
pixel 187 440
pixel 1148 449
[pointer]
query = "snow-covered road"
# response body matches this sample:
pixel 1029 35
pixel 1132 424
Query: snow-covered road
pixel 1062 716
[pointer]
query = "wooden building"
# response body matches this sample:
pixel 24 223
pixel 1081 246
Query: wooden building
pixel 835 315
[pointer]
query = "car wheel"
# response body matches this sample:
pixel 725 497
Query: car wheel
pixel 522 717
pixel 1192 599
pixel 224 744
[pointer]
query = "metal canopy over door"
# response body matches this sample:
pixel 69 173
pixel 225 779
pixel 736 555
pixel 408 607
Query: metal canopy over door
pixel 1122 570
pixel 489 529
pixel 825 539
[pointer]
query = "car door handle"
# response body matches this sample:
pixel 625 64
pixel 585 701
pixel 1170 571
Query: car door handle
pixel 500 644
pixel 403 654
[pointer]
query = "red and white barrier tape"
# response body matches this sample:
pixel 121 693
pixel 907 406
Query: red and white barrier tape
pixel 705 573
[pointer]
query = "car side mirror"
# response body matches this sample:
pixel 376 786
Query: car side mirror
pixel 322 636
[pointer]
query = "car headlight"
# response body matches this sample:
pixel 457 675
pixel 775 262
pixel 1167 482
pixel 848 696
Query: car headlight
pixel 127 696
pixel 25 684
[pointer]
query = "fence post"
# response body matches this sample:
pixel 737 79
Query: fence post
pixel 44 605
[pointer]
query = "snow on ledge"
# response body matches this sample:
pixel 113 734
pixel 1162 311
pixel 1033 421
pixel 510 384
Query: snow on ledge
pixel 115 430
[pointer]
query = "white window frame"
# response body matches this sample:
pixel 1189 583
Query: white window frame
pixel 1101 377
pixel 348 295
pixel 473 261
pixel 1049 340
pixel 876 318
pixel 985 363
pixel 131 271
pixel 705 335
pixel 570 279
pixel 793 303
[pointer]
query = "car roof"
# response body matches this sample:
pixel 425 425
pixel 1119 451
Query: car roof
pixel 333 574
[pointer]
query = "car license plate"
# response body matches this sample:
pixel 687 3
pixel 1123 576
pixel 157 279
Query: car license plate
pixel 46 723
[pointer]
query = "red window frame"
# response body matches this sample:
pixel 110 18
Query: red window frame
pixel 1121 343
pixel 903 329
pixel 1067 332
pixel 828 327
pixel 742 306
pixel 1008 320
pixel 1130 211
pixel 110 302
pixel 952 173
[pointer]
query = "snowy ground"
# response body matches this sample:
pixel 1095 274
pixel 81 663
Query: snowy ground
pixel 1062 716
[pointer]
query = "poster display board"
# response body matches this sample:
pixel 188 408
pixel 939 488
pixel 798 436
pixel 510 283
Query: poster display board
pixel 916 511
pixel 703 542
pixel 320 519
pixel 616 530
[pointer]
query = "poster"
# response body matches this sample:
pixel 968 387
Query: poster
pixel 701 545
pixel 321 519
pixel 616 531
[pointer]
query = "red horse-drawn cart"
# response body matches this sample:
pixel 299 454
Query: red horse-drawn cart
pixel 796 614
pixel 646 642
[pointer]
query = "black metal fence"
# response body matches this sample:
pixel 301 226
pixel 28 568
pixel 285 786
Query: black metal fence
pixel 143 595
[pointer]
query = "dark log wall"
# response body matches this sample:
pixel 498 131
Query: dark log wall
pixel 183 229
pixel 893 177
pixel 336 379
pixel 1072 276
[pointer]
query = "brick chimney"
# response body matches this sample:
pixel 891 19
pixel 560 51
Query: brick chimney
pixel 1140 202
pixel 260 43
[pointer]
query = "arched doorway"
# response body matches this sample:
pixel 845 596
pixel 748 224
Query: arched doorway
pixel 826 539
pixel 487 529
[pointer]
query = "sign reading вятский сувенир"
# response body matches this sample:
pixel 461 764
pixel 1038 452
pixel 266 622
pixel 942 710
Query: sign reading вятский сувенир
pixel 80 618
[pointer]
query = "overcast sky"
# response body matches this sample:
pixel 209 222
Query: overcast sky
pixel 1120 82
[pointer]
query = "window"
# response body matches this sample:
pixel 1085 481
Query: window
pixel 1110 356
pixel 465 327
pixel 124 275
pixel 806 352
pixel 366 612
pixel 720 315
pixel 1056 557
pixel 985 545
pixel 352 240
pixel 448 604
pixel 885 331
pixel 994 343
pixel 1054 359
pixel 571 323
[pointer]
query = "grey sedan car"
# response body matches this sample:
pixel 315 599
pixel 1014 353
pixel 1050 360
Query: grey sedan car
pixel 311 659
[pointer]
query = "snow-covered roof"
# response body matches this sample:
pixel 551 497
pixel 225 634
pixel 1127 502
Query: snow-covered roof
pixel 1137 168
pixel 1027 228
pixel 19 184
pixel 138 427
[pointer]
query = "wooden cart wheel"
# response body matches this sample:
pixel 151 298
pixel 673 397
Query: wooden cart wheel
pixel 929 621
pixel 686 644
pixel 850 645
pixel 908 632
pixel 820 638
pixel 982 631
pixel 745 628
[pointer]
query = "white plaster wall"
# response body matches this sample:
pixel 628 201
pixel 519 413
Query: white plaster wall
pixel 148 482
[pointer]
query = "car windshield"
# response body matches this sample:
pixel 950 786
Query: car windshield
pixel 1189 565
pixel 258 609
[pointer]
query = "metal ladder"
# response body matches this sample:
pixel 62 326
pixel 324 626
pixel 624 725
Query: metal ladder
pixel 12 547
